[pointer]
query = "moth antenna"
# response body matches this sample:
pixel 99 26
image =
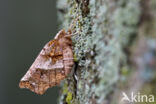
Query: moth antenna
pixel 70 35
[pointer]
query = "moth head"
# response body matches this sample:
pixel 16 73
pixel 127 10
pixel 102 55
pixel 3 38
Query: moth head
pixel 64 38
pixel 60 34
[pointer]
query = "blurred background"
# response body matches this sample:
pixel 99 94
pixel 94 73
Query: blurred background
pixel 25 27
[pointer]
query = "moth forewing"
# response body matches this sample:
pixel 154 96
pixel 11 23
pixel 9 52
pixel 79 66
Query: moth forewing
pixel 51 66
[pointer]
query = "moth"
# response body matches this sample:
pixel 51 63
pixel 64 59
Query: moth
pixel 51 66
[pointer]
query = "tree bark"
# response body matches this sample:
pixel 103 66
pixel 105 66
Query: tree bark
pixel 107 38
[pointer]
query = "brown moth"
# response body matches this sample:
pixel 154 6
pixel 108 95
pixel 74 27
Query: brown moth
pixel 51 66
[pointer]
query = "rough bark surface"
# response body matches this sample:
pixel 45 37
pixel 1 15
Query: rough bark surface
pixel 105 42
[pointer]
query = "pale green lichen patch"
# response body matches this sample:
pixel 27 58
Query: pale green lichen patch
pixel 98 42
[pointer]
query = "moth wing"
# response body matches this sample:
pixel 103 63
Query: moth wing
pixel 47 69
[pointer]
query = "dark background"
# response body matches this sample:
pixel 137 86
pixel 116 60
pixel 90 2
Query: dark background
pixel 25 27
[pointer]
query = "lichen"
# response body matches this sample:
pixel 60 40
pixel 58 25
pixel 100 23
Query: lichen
pixel 125 20
pixel 68 94
pixel 69 98
pixel 98 42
